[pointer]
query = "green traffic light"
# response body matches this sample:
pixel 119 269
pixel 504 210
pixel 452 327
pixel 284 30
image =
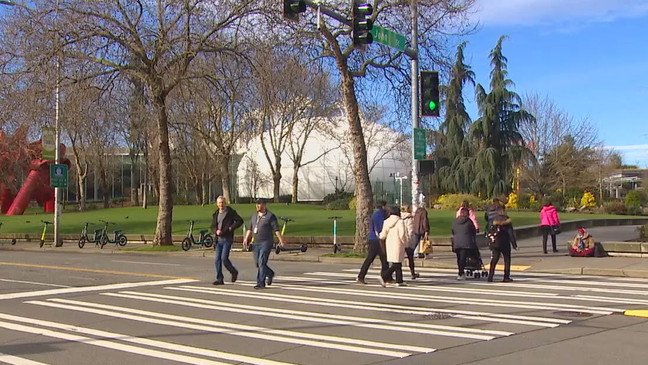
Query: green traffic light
pixel 432 105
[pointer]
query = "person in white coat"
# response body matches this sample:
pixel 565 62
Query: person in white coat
pixel 408 218
pixel 394 233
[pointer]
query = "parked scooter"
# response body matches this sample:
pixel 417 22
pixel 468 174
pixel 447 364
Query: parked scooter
pixel 13 240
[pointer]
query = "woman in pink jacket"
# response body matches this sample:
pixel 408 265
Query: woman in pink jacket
pixel 471 214
pixel 548 222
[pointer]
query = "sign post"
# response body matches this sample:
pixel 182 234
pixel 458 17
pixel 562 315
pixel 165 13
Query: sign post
pixel 420 143
pixel 58 176
pixel 49 143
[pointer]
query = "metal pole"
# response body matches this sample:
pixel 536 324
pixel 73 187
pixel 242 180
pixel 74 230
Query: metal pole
pixel 415 103
pixel 57 155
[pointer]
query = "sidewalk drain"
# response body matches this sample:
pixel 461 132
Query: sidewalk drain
pixel 572 314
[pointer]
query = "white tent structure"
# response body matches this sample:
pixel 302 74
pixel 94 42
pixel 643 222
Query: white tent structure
pixel 327 161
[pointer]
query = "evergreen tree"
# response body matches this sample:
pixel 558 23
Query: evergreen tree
pixel 456 150
pixel 496 132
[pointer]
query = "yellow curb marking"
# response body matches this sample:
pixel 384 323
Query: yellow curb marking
pixel 94 270
pixel 637 313
pixel 513 267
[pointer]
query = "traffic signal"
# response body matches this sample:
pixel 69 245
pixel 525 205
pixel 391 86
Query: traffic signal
pixel 292 8
pixel 362 24
pixel 430 104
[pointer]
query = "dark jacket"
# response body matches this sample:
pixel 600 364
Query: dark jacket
pixel 491 214
pixel 463 234
pixel 506 236
pixel 421 223
pixel 231 222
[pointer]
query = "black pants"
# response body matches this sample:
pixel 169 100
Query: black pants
pixel 495 258
pixel 410 260
pixel 546 231
pixel 396 267
pixel 373 249
pixel 462 255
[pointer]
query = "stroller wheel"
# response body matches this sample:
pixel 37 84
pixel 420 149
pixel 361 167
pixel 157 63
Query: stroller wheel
pixel 477 275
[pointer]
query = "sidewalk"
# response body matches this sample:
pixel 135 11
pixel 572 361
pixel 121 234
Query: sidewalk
pixel 529 258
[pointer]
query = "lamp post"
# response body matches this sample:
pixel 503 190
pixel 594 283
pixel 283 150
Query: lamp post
pixel 400 179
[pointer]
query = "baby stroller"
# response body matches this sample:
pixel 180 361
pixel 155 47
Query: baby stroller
pixel 474 265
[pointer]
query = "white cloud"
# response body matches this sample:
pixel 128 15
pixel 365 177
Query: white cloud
pixel 556 12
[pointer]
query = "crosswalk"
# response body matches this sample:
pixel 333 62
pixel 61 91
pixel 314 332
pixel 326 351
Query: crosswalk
pixel 317 317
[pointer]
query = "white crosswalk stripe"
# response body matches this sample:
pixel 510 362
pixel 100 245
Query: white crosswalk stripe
pixel 317 310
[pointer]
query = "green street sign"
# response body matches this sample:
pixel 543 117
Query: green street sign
pixel 420 143
pixel 58 176
pixel 388 37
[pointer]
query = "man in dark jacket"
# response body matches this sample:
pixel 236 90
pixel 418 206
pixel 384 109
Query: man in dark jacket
pixel 374 247
pixel 224 222
pixel 505 238
pixel 463 240
pixel 491 212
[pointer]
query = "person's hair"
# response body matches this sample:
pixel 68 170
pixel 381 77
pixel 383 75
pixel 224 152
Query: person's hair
pixel 463 212
pixel 465 204
pixel 381 203
pixel 407 208
pixel 220 197
pixel 546 202
pixel 393 210
pixel 496 201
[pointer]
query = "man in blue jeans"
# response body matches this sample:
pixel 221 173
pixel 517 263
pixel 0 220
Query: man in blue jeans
pixel 263 224
pixel 224 222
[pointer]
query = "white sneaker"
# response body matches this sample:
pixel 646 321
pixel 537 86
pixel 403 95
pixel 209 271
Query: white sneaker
pixel 461 277
pixel 382 281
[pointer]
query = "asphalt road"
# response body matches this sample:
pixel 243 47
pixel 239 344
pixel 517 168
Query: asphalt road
pixel 65 308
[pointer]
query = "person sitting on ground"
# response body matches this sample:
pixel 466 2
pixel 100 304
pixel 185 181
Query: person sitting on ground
pixel 583 244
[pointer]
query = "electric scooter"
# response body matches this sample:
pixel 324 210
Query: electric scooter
pixel 96 239
pixel 205 238
pixel 279 248
pixel 336 246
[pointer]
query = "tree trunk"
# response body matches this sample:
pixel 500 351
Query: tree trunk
pixel 295 183
pixel 364 195
pixel 276 179
pixel 225 176
pixel 81 194
pixel 104 187
pixel 165 202
pixel 134 197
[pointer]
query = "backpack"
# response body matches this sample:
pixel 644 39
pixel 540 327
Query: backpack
pixel 492 234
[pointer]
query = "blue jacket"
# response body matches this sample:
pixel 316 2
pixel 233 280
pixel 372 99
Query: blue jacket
pixel 376 223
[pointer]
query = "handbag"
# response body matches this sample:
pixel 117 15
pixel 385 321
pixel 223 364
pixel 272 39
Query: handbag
pixel 555 229
pixel 425 246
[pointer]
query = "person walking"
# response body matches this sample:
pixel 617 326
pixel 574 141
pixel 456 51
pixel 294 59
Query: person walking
pixel 463 240
pixel 394 233
pixel 505 238
pixel 491 212
pixel 374 247
pixel 421 226
pixel 263 224
pixel 224 222
pixel 548 221
pixel 471 214
pixel 408 218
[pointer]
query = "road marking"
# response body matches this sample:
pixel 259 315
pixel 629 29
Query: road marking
pixel 637 313
pixel 215 327
pixel 454 289
pixel 10 359
pixel 137 340
pixel 421 328
pixel 80 269
pixel 82 289
pixel 35 283
pixel 513 267
pixel 454 300
pixel 568 288
pixel 481 316
pixel 145 263
pixel 108 344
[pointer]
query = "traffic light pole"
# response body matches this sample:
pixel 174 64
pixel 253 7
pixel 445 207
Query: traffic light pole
pixel 411 52
pixel 415 104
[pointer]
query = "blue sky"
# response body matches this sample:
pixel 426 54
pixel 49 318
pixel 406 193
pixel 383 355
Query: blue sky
pixel 589 56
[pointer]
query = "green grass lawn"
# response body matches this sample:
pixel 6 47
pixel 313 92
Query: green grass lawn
pixel 309 220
